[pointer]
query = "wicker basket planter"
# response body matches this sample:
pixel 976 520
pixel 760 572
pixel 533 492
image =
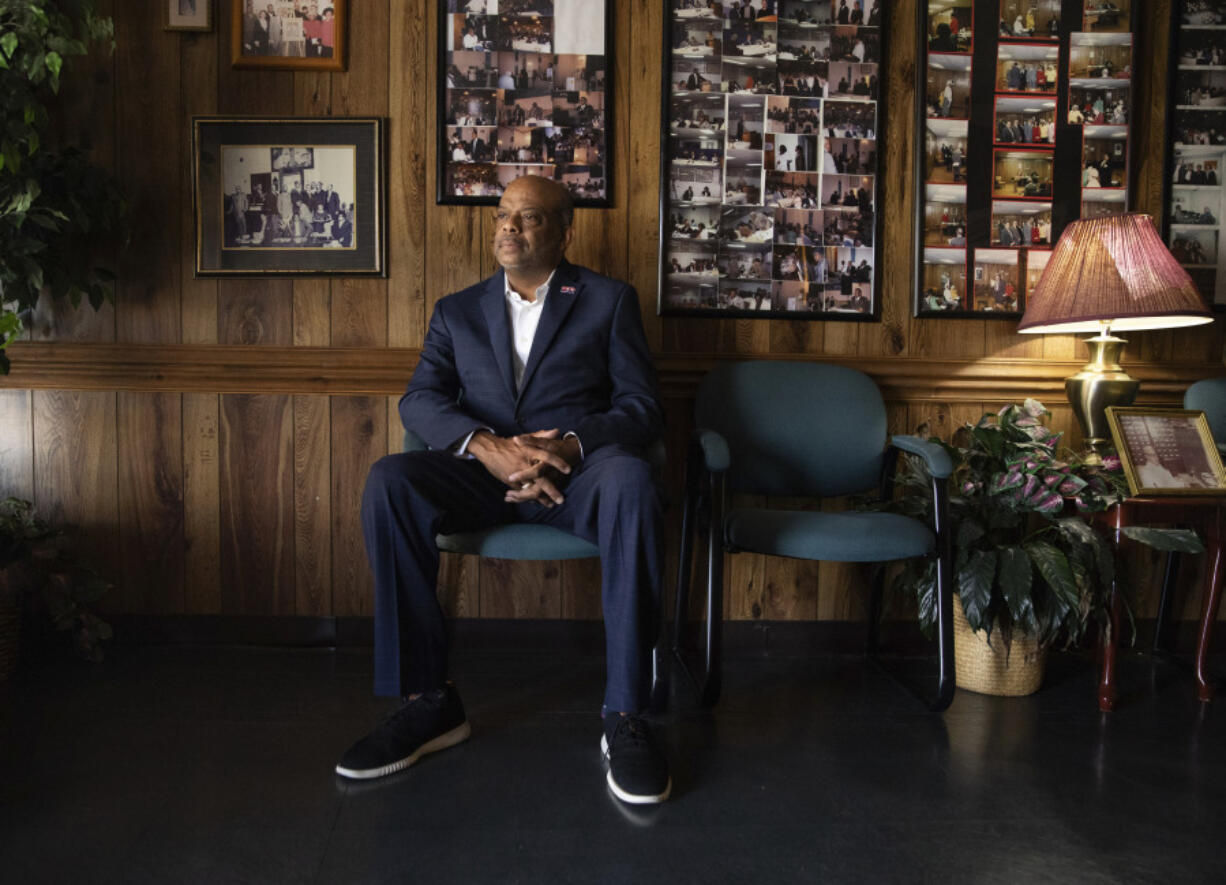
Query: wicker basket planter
pixel 982 668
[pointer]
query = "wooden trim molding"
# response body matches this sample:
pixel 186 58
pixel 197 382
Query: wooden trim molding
pixel 364 371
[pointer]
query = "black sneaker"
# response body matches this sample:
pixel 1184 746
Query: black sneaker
pixel 638 770
pixel 430 722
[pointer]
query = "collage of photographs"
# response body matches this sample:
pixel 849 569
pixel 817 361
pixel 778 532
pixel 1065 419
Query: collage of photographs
pixel 770 203
pixel 523 92
pixel 990 179
pixel 1198 133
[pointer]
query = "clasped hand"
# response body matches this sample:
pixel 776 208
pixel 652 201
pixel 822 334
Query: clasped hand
pixel 532 465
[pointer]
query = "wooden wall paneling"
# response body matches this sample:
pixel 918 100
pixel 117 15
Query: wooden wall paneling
pixel 75 480
pixel 16 444
pixel 894 255
pixel 359 438
pixel 792 336
pixel 639 164
pixel 1063 347
pixel 744 576
pixel 512 589
pixel 409 133
pixel 257 505
pixel 458 578
pixel 313 582
pixel 150 166
pixel 151 523
pixel 359 306
pixel 581 585
pixel 257 311
pixel 201 504
pixel 198 91
pixel 312 297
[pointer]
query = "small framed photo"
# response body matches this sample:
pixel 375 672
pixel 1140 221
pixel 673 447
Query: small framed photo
pixel 293 196
pixel 302 35
pixel 189 15
pixel 1167 451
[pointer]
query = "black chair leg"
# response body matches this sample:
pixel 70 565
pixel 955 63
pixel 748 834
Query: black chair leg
pixel 701 514
pixel 876 595
pixel 712 683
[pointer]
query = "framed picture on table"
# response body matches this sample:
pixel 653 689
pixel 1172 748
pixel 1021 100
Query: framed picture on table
pixel 189 15
pixel 523 89
pixel 1025 107
pixel 299 35
pixel 1167 451
pixel 770 170
pixel 1196 144
pixel 289 196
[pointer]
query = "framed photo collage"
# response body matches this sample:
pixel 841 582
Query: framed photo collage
pixel 769 172
pixel 1026 128
pixel 523 90
pixel 1197 143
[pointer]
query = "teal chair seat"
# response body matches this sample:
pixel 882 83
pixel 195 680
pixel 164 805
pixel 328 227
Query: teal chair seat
pixel 832 537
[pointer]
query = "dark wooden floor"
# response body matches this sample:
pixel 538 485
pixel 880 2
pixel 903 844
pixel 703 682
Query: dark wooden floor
pixel 214 765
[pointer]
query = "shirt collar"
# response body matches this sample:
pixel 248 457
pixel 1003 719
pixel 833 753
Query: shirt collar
pixel 514 297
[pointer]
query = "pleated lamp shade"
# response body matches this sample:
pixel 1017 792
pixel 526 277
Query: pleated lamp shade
pixel 1113 270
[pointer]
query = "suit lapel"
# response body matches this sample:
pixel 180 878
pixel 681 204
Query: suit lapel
pixel 494 307
pixel 564 291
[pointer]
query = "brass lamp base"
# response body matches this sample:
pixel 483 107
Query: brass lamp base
pixel 1101 382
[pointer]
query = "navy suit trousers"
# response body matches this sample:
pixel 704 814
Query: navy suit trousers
pixel 611 500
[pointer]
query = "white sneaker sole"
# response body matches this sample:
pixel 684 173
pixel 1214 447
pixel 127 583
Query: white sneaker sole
pixel 457 735
pixel 631 798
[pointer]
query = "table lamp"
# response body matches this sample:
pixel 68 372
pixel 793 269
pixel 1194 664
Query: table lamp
pixel 1110 273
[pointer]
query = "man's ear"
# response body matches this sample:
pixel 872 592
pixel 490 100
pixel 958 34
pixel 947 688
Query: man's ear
pixel 567 235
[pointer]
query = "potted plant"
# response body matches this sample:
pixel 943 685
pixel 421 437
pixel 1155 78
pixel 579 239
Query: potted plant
pixel 38 572
pixel 59 214
pixel 1028 567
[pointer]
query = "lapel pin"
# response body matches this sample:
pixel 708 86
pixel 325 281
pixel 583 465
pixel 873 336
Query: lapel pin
pixel 568 290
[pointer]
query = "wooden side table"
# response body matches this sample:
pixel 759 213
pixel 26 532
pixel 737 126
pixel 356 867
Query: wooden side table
pixel 1206 515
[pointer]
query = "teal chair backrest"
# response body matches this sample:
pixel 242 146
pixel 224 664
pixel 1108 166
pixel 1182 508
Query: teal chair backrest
pixel 795 428
pixel 1209 396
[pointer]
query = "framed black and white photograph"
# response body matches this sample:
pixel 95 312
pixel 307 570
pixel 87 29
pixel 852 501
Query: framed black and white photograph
pixel 1196 143
pixel 302 35
pixel 770 184
pixel 1025 109
pixel 523 89
pixel 1167 451
pixel 288 196
pixel 189 15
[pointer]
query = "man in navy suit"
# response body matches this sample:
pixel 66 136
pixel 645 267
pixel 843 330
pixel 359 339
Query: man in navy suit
pixel 536 394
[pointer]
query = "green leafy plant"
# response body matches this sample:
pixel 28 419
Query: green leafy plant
pixel 1024 555
pixel 59 214
pixel 38 570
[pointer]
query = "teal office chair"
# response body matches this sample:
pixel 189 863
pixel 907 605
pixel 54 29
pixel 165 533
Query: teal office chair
pixel 524 541
pixel 1209 396
pixel 801 429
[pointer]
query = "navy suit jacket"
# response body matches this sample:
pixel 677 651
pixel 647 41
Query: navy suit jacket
pixel 589 370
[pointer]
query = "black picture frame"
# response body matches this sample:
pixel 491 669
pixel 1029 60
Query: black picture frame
pixel 1023 116
pixel 524 88
pixel 1194 199
pixel 770 185
pixel 310 196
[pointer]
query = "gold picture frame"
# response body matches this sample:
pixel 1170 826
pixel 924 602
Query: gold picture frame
pixel 1167 452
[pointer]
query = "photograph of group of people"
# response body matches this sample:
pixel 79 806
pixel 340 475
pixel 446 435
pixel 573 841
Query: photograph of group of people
pixel 523 93
pixel 291 197
pixel 1198 154
pixel 289 29
pixel 992 177
pixel 771 198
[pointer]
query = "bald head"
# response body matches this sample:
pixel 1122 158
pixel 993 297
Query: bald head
pixel 532 229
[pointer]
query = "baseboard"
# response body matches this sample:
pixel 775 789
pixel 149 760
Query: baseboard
pixel 750 638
